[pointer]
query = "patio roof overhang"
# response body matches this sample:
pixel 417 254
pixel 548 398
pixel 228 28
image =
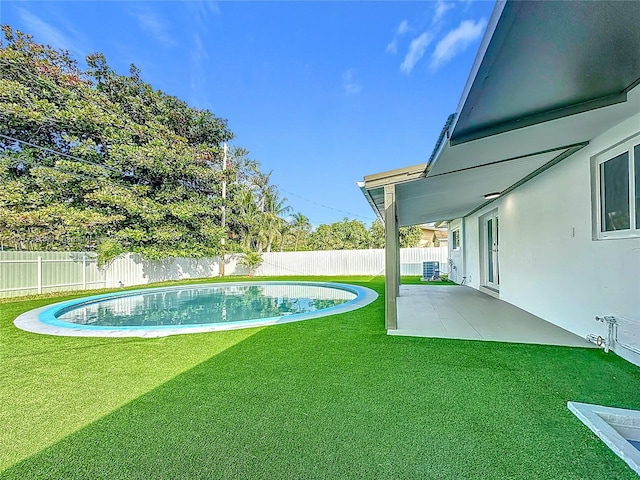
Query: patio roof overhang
pixel 549 77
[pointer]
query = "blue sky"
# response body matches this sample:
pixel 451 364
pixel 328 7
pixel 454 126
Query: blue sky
pixel 322 93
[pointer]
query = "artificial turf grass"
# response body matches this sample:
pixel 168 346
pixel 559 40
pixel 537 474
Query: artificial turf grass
pixel 50 385
pixel 337 398
pixel 417 280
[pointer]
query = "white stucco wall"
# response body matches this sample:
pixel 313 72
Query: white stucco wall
pixel 472 250
pixel 549 263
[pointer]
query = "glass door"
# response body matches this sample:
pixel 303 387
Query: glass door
pixel 491 264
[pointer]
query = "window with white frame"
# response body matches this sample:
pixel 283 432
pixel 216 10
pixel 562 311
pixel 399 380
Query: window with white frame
pixel 618 196
pixel 455 239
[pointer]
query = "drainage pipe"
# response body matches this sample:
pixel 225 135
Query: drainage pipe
pixel 612 335
pixel 610 320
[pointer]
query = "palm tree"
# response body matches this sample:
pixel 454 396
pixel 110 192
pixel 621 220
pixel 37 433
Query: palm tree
pixel 300 225
pixel 285 229
pixel 251 219
pixel 274 208
pixel 251 260
pixel 261 188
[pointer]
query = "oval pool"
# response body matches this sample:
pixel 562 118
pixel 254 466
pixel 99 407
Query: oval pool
pixel 155 312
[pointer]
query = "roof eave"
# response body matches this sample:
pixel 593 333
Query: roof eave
pixel 399 175
pixel 372 203
pixel 482 49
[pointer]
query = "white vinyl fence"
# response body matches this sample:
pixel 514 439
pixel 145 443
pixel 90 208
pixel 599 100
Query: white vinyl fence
pixel 348 262
pixel 27 273
pixel 24 273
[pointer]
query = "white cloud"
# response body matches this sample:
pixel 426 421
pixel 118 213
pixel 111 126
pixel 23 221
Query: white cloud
pixel 44 32
pixel 153 26
pixel 201 11
pixel 416 51
pixel 200 14
pixel 402 28
pixel 198 52
pixel 457 41
pixel 349 84
pixel 392 47
pixel 198 56
pixel 441 8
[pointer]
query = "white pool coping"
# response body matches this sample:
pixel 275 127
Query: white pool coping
pixel 614 426
pixel 42 320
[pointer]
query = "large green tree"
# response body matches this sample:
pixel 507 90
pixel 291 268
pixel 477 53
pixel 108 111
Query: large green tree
pixel 409 237
pixel 344 235
pixel 94 160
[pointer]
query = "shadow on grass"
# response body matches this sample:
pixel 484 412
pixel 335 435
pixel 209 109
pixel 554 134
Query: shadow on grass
pixel 337 398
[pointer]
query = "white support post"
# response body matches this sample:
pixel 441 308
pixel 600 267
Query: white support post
pixel 392 257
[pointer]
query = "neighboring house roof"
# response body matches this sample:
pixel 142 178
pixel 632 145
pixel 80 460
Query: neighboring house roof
pixel 441 235
pixel 549 77
pixel 430 229
pixel 432 235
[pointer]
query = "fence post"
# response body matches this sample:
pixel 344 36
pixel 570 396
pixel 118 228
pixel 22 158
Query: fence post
pixel 39 274
pixel 84 272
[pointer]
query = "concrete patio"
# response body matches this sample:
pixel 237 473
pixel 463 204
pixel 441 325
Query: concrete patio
pixel 464 313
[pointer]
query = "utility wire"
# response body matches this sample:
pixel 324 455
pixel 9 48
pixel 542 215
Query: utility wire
pixel 82 160
pixel 55 152
pixel 326 206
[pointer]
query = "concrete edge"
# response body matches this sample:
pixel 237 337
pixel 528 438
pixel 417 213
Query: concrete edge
pixel 590 415
pixel 31 321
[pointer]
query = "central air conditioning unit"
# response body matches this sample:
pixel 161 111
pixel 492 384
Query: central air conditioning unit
pixel 430 271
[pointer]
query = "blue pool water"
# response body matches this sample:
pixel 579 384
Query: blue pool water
pixel 202 305
pixel 635 443
pixel 156 312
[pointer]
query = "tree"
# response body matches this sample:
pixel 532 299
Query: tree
pixel 345 235
pixel 251 260
pixel 376 235
pixel 301 227
pixel 408 236
pixel 91 158
pixel 285 231
pixel 274 208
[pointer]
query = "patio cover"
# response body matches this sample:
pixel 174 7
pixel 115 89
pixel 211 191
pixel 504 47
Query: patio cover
pixel 549 76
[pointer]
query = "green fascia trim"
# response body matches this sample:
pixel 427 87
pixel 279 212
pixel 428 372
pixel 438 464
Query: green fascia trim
pixel 538 118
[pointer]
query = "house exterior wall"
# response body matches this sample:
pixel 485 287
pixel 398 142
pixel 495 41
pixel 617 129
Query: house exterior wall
pixel 550 265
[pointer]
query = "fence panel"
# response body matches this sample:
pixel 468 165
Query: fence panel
pixel 322 263
pixel 348 262
pixel 27 273
pixel 132 269
pixel 21 273
pixel 411 259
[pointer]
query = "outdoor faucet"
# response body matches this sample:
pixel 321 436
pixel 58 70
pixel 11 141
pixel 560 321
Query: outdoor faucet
pixel 611 321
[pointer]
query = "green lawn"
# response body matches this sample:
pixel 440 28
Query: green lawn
pixel 328 398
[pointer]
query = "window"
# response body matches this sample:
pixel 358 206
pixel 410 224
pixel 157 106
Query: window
pixel 618 180
pixel 455 239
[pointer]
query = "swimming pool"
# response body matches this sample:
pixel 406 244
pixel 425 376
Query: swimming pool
pixel 155 312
